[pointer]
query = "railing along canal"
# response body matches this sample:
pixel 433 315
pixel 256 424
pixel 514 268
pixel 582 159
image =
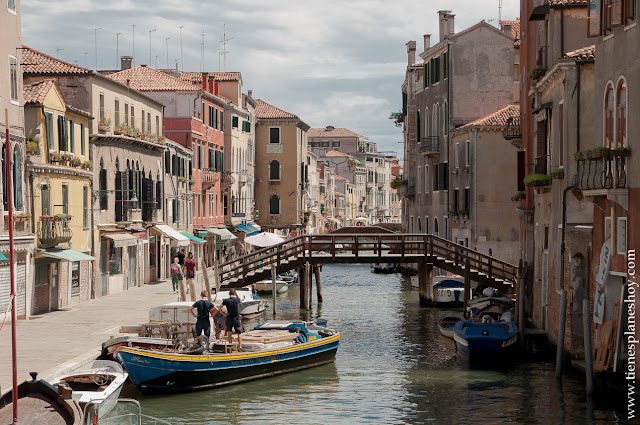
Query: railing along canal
pixel 356 248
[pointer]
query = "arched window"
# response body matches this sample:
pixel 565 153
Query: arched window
pixel 426 224
pixel 608 117
pixel 274 170
pixel 435 226
pixel 419 225
pixel 621 115
pixel 17 180
pixel 426 122
pixel 274 204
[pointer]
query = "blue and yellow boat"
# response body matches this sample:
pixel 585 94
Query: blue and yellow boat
pixel 273 348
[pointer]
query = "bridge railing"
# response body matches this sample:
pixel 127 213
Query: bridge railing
pixel 383 248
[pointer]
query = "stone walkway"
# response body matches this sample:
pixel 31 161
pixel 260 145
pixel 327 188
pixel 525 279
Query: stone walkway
pixel 49 340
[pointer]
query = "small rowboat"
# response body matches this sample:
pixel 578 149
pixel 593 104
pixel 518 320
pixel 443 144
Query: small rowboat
pixel 448 321
pixel 266 286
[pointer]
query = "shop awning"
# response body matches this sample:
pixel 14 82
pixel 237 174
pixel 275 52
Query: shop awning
pixel 202 233
pixel 2 257
pixel 67 255
pixel 173 234
pixel 121 239
pixel 248 229
pixel 222 232
pixel 193 238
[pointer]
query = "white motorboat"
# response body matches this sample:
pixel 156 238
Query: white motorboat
pixel 448 291
pixel 266 286
pixel 97 380
pixel 250 304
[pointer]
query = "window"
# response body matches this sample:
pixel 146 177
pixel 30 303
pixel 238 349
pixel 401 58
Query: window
pixel 115 259
pixel 234 122
pixel 221 120
pixel 148 122
pixel 607 14
pixel 133 117
pixel 467 200
pixel 419 225
pixel 446 118
pixel 608 117
pixel 325 143
pixel 13 75
pixel 629 11
pixel 11 4
pixel 426 179
pixel 45 201
pixel 274 135
pixel 72 137
pixel 595 18
pixel 621 115
pixel 17 180
pixel 116 115
pixel 203 112
pixel 158 125
pixel 468 153
pixel 126 113
pixel 211 123
pixel 274 204
pixel 101 106
pixel 457 155
pixel 246 126
pixel 85 207
pixel 445 65
pixel 211 203
pixel 143 123
pixel 621 236
pixel 425 80
pixel 435 226
pixel 561 130
pixel 75 278
pixel 62 133
pixel 104 196
pixel 426 224
pixel 82 140
pixel 418 180
pixel 65 198
pixel 335 144
pixel 615 13
pixel 456 197
pixel 274 170
pixel 48 123
pixel 411 225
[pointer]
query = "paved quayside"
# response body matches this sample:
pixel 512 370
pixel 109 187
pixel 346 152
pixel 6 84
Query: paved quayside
pixel 51 339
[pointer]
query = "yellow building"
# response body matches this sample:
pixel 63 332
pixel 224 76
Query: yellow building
pixel 59 192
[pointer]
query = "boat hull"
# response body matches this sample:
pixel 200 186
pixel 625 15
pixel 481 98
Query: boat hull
pixel 485 341
pixel 267 287
pixel 155 372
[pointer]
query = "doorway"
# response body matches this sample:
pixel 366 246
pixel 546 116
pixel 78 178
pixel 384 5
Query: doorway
pixel 132 266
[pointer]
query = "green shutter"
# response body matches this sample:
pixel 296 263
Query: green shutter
pixel 425 70
pixel 203 111
pixel 445 65
pixel 235 122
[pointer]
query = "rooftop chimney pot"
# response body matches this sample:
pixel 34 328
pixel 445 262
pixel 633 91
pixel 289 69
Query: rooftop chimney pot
pixel 411 52
pixel 125 62
pixel 446 24
pixel 427 41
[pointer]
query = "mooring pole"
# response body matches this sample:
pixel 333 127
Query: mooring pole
pixel 205 277
pixel 273 283
pixel 14 356
pixel 520 303
pixel 423 288
pixel 303 288
pixel 316 271
pixel 467 284
pixel 307 272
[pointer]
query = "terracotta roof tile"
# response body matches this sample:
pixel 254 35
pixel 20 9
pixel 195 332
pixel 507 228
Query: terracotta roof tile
pixel 35 62
pixel 36 92
pixel 145 78
pixel 568 2
pixel 515 29
pixel 196 77
pixel 498 118
pixel 265 111
pixel 78 110
pixel 336 154
pixel 330 131
pixel 584 53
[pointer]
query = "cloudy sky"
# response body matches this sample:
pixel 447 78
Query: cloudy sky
pixel 330 62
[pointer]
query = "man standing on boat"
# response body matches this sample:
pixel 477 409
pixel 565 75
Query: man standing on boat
pixel 204 308
pixel 233 316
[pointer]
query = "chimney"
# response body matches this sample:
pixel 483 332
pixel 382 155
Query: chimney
pixel 205 79
pixel 250 93
pixel 506 28
pixel 446 24
pixel 216 88
pixel 125 62
pixel 128 82
pixel 330 128
pixel 427 41
pixel 411 52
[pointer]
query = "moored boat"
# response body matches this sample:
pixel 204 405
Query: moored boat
pixel 110 346
pixel 97 380
pixel 266 286
pixel 273 348
pixel 489 340
pixel 448 321
pixel 250 304
pixel 41 403
pixel 448 291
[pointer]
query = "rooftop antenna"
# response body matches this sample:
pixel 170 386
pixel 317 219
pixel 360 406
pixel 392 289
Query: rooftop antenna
pixel 223 44
pixel 117 48
pixel 202 51
pixel 133 56
pixel 95 43
pixel 181 57
pixel 58 50
pixel 166 40
pixel 85 59
pixel 499 12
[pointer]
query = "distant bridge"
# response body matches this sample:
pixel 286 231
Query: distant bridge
pixel 396 248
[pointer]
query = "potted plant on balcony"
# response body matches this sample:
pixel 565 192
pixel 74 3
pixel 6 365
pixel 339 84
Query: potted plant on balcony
pixel 537 72
pixel 104 125
pixel 86 164
pixel 558 173
pixel 621 152
pixel 464 214
pixel 32 147
pixel 518 196
pixel 62 217
pixel 537 180
pixel 19 218
pixel 54 157
pixel 395 184
pixel 600 152
pixel 76 162
pixel 581 156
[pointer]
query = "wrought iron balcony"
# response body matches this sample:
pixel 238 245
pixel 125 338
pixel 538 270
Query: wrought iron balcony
pixel 243 177
pixel 54 230
pixel 429 145
pixel 512 129
pixel 606 170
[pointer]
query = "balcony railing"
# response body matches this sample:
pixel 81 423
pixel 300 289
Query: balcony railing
pixel 606 172
pixel 243 177
pixel 512 129
pixel 429 145
pixel 53 231
pixel 226 178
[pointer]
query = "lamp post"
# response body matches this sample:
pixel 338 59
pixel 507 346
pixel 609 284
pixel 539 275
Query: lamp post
pixel 95 44
pixel 150 31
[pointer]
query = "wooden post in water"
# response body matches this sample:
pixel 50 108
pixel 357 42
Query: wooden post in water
pixel 303 287
pixel 423 288
pixel 467 284
pixel 205 278
pixel 273 282
pixel 316 271
pixel 307 278
pixel 520 304
pixel 429 267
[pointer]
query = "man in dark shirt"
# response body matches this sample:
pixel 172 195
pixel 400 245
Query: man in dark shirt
pixel 204 308
pixel 233 316
pixel 181 256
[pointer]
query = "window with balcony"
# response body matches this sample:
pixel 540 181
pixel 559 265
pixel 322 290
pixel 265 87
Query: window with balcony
pixel 621 115
pixel 116 110
pixel 609 117
pixel 274 204
pixel 102 106
pixel 45 201
pixel 126 113
pixel 148 122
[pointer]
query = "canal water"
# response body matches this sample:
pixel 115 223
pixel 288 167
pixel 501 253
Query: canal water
pixel 393 367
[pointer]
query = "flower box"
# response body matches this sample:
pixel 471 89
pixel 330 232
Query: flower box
pixel 621 152
pixel 558 173
pixel 537 180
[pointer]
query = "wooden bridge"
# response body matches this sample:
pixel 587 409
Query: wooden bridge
pixel 427 251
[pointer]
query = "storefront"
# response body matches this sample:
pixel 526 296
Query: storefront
pixel 166 244
pixel 117 270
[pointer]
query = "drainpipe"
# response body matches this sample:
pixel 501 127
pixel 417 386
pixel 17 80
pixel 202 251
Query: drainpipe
pixel 563 292
pixel 562 32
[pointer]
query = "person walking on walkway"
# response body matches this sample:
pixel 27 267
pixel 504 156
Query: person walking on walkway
pixel 176 274
pixel 190 267
pixel 205 308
